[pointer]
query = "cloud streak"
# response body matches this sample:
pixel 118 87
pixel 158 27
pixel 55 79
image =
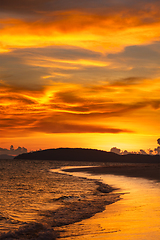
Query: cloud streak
pixel 97 31
pixel 65 108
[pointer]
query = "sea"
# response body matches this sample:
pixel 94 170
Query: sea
pixel 39 201
pixel 36 199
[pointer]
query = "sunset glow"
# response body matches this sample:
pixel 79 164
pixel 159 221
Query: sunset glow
pixel 80 75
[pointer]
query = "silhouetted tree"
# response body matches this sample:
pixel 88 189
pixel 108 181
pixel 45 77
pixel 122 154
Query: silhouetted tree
pixel 157 150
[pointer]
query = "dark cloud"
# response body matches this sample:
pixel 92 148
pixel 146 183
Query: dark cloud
pixel 13 151
pixel 24 6
pixel 157 150
pixel 32 65
pixel 34 6
pixel 17 99
pixel 158 141
pixel 59 122
pixel 112 110
pixel 115 150
pixel 20 73
pixel 68 97
pixel 139 56
pixel 139 62
pixel 155 103
pixel 89 108
pixel 18 121
pixel 145 53
pixel 56 52
pixel 64 111
pixel 127 81
pixel 150 151
pixel 141 151
pixel 52 126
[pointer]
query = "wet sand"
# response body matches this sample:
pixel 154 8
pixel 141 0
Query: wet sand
pixel 135 216
pixel 148 171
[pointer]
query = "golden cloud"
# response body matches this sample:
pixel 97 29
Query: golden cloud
pixel 75 108
pixel 104 33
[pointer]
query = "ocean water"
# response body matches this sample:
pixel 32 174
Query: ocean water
pixel 35 199
pixel 38 201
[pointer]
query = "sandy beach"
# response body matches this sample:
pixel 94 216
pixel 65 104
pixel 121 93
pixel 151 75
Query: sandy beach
pixel 135 216
pixel 148 171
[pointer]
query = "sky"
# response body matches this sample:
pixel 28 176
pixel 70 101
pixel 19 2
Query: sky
pixel 80 74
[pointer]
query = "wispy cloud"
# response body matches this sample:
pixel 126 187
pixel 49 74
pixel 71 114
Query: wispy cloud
pixel 64 108
pixel 79 28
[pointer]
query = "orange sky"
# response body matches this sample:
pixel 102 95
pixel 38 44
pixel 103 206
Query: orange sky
pixel 79 74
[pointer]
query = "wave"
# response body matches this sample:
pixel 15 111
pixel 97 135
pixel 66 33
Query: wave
pixel 31 231
pixel 71 212
pixel 7 219
pixel 81 208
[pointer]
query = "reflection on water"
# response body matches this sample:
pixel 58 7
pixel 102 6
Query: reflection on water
pixel 136 216
pixel 31 191
pixel 28 188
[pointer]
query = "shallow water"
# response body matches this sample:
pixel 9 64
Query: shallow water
pixel 30 193
pixel 135 216
pixel 36 201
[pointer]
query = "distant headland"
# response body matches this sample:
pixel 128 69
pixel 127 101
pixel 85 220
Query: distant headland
pixel 90 155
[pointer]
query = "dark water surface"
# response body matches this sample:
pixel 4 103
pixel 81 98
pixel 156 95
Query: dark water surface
pixel 39 201
pixel 34 200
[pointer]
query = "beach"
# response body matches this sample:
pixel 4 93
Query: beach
pixel 37 200
pixel 78 200
pixel 148 171
pixel 135 216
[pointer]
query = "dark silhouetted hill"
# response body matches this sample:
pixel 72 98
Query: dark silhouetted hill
pixel 91 155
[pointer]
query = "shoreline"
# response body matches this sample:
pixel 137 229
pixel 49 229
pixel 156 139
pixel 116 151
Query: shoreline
pixel 52 221
pixel 147 171
pixel 125 219
pixel 78 211
pixel 83 208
